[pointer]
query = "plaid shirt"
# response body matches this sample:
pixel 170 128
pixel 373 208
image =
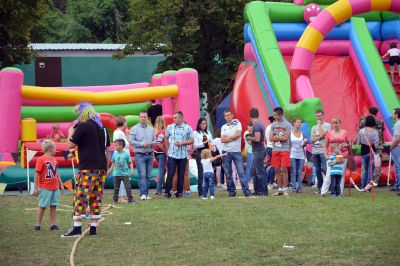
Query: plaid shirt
pixel 178 133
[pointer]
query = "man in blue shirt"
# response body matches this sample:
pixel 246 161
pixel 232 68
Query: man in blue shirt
pixel 178 137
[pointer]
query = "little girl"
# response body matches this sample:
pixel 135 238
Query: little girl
pixel 208 176
pixel 56 133
pixel 394 59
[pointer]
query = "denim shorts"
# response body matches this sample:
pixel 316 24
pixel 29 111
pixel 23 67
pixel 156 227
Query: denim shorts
pixel 49 198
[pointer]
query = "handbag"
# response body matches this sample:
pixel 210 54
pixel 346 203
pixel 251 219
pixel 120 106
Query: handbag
pixel 377 158
pixel 218 161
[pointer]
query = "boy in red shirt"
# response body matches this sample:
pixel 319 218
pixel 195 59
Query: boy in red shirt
pixel 47 185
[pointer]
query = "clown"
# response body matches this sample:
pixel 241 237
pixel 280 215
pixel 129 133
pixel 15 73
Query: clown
pixel 93 142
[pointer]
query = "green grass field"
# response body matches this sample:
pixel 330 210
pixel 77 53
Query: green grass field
pixel 226 231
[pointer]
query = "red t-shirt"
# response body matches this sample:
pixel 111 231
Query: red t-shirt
pixel 339 140
pixel 47 167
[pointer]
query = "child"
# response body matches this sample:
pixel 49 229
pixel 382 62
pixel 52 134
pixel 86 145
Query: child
pixel 56 133
pixel 335 162
pixel 120 171
pixel 208 178
pixel 393 59
pixel 122 132
pixel 47 185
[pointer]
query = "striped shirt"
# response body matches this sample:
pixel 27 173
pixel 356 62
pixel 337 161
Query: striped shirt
pixel 139 134
pixel 337 168
pixel 178 133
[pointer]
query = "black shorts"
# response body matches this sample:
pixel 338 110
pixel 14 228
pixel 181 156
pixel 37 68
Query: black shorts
pixel 394 60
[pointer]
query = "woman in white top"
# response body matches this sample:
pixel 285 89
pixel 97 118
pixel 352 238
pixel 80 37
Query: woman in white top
pixel 248 147
pixel 201 139
pixel 297 142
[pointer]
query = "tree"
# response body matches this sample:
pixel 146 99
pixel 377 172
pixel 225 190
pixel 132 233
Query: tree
pixel 205 35
pixel 17 18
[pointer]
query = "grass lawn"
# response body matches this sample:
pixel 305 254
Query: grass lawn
pixel 226 231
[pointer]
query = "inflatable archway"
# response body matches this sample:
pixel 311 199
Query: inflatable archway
pixel 320 27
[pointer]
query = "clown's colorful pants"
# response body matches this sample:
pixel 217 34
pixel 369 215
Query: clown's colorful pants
pixel 89 189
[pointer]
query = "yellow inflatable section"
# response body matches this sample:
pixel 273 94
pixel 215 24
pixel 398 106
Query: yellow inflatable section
pixel 107 97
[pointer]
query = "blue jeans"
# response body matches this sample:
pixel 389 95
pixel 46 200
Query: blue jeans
pixel 260 184
pixel 320 167
pixel 200 171
pixel 335 185
pixel 208 182
pixel 367 174
pixel 396 159
pixel 249 165
pixel 296 171
pixel 144 165
pixel 161 159
pixel 237 159
pixel 271 172
pixel 172 164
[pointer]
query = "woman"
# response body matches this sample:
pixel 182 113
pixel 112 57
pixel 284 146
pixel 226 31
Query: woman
pixel 297 141
pixel 341 137
pixel 160 151
pixel 247 146
pixel 368 136
pixel 270 144
pixel 201 139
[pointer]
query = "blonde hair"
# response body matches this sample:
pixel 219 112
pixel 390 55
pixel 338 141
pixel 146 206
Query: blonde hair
pixel 334 146
pixel 336 119
pixel 159 124
pixel 47 145
pixel 206 153
pixel 56 125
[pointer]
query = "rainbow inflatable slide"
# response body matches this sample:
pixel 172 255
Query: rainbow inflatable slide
pixel 27 114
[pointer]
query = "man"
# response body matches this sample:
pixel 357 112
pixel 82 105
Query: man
pixel 280 132
pixel 318 133
pixel 231 134
pixel 259 153
pixel 395 148
pixel 93 142
pixel 379 127
pixel 142 137
pixel 154 110
pixel 179 136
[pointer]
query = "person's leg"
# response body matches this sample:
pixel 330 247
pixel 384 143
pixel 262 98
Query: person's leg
pixel 181 175
pixel 365 177
pixel 218 174
pixel 40 215
pixel 175 180
pixel 338 182
pixel 392 72
pixel 117 183
pixel 238 161
pixel 96 196
pixel 149 169
pixel 206 185
pixel 300 166
pixel 293 173
pixel 170 175
pixel 161 161
pixel 333 185
pixel 227 164
pixel 317 158
pixel 249 164
pixel 222 176
pixel 85 183
pixel 211 184
pixel 377 171
pixel 259 172
pixel 53 210
pixel 54 202
pixel 396 160
pixel 44 202
pixel 140 160
pixel 186 181
pixel 199 172
pixel 285 160
pixel 327 181
pixel 344 165
pixel 127 184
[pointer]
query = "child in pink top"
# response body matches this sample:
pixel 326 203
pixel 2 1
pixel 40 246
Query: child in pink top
pixel 56 133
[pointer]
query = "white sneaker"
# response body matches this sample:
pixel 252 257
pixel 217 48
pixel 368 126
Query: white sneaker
pixel 316 185
pixel 148 198
pixel 204 198
pixel 285 193
pixel 143 197
pixel 212 197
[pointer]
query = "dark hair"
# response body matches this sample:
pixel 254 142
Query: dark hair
pixel 393 45
pixel 373 110
pixel 120 120
pixel 153 101
pixel 271 119
pixel 120 142
pixel 228 111
pixel 397 112
pixel 198 129
pixel 319 111
pixel 370 121
pixel 250 123
pixel 254 113
pixel 218 133
pixel 143 112
pixel 278 110
pixel 179 113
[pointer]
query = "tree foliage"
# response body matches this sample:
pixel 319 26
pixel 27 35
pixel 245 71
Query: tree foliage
pixel 17 18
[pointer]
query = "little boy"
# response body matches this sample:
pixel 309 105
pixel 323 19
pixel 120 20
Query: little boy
pixel 335 162
pixel 120 170
pixel 47 185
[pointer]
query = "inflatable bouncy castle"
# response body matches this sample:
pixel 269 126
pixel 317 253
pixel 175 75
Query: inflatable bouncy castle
pixel 27 114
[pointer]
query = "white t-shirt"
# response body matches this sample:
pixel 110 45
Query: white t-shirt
pixel 270 144
pixel 119 134
pixel 296 150
pixel 394 52
pixel 247 144
pixel 193 167
pixel 230 130
pixel 217 142
pixel 207 166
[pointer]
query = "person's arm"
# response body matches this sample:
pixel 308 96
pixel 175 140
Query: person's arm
pixel 108 155
pixel 71 132
pixel 358 141
pixel 218 156
pixel 326 143
pixel 109 172
pixel 61 183
pixel 166 141
pixel 256 138
pixel 186 142
pixel 332 163
pixel 225 139
pixel 395 142
pixel 198 141
pixel 385 55
pixel 62 135
pixel 285 137
pixel 131 167
pixel 36 184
